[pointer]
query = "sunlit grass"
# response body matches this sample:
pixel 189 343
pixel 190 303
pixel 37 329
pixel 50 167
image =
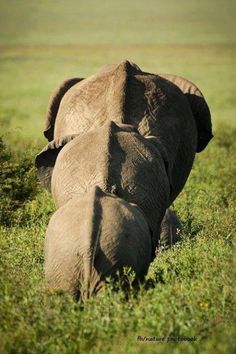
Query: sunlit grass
pixel 190 289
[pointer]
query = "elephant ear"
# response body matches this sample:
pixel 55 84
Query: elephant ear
pixel 54 104
pixel 46 159
pixel 198 106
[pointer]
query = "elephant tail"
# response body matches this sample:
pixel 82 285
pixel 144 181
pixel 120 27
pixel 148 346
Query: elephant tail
pixel 54 104
pixel 90 247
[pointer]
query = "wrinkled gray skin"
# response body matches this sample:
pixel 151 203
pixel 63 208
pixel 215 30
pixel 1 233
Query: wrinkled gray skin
pixel 119 161
pixel 92 237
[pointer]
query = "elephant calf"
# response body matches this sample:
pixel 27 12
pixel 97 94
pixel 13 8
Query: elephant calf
pixel 92 237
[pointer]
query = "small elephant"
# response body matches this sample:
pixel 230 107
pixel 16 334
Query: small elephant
pixel 168 109
pixel 92 237
pixel 118 160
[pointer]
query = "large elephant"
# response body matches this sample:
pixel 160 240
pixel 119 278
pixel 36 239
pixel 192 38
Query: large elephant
pixel 118 160
pixel 118 138
pixel 170 110
pixel 92 237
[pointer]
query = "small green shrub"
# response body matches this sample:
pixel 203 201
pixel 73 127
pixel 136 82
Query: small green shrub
pixel 19 188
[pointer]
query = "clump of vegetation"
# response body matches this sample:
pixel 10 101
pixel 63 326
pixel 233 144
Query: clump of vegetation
pixel 18 188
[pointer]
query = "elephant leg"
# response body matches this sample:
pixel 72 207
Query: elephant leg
pixel 170 229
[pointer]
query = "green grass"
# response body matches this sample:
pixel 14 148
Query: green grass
pixel 130 22
pixel 190 289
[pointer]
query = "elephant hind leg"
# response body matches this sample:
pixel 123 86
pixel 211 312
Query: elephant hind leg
pixel 170 229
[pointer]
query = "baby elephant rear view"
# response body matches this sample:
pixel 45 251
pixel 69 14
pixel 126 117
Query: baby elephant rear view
pixel 92 237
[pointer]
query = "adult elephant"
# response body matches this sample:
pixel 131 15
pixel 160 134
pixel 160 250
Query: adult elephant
pixel 167 109
pixel 115 158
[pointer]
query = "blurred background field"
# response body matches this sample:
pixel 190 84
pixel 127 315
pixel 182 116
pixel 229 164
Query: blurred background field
pixel 44 42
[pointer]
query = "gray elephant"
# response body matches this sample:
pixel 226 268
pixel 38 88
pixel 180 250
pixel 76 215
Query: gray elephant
pixel 170 110
pixel 92 237
pixel 96 236
pixel 122 133
pixel 118 160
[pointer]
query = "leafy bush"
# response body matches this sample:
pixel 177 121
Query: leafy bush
pixel 19 188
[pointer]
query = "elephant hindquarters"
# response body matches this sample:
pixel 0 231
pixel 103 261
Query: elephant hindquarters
pixel 92 237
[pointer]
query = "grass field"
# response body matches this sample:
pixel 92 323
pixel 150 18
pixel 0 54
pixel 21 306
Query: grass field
pixel 189 289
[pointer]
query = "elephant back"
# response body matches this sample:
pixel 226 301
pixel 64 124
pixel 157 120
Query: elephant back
pixel 126 95
pixel 119 161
